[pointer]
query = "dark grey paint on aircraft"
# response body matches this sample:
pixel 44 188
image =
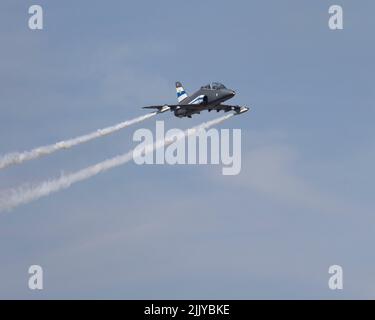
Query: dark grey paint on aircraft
pixel 209 97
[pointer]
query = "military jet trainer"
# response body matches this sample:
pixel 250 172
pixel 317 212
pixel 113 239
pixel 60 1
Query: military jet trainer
pixel 209 97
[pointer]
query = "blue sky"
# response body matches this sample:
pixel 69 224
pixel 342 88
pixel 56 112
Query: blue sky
pixel 302 202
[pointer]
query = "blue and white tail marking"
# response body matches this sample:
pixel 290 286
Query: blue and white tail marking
pixel 181 94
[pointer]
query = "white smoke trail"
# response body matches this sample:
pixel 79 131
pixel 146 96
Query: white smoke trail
pixel 19 157
pixel 14 197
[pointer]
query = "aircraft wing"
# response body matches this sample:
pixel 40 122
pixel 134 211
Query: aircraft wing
pixel 226 108
pixel 198 107
pixel 172 107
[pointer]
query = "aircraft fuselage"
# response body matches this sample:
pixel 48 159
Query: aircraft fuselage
pixel 204 99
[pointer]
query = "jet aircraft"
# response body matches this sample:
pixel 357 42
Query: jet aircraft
pixel 209 97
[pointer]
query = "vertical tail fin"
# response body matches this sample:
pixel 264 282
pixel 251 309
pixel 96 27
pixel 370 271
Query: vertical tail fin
pixel 181 94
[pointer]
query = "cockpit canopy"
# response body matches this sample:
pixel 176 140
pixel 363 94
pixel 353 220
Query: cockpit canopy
pixel 214 86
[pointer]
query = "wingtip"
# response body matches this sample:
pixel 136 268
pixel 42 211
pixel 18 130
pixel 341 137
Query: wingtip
pixel 242 109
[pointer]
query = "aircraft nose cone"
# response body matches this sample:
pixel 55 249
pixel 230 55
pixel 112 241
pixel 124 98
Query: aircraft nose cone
pixel 232 93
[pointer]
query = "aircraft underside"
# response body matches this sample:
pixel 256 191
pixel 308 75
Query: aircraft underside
pixel 182 112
